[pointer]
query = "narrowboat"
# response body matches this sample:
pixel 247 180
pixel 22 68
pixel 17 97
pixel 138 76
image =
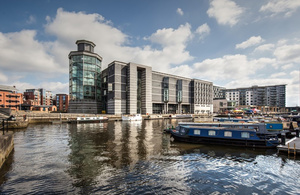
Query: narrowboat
pixel 274 128
pixel 224 136
pixel 235 120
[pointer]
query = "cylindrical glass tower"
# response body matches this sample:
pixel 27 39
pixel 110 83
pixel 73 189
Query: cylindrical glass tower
pixel 85 79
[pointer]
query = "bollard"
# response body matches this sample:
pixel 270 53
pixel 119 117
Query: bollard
pixel 297 133
pixel 283 139
pixel 3 126
pixel 6 125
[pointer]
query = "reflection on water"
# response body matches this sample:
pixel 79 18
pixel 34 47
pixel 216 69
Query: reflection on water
pixel 137 158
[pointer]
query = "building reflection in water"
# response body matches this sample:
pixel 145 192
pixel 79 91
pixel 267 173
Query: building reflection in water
pixel 99 150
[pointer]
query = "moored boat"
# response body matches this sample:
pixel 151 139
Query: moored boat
pixel 224 136
pixel 136 117
pixel 88 119
pixel 271 128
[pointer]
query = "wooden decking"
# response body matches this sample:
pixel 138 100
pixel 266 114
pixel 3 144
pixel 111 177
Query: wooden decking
pixel 292 146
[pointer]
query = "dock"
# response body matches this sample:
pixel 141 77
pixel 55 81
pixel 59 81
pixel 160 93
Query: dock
pixel 292 146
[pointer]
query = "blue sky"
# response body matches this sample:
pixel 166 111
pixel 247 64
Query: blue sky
pixel 233 43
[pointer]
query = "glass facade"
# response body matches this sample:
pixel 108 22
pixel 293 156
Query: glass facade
pixel 85 78
pixel 139 92
pixel 166 89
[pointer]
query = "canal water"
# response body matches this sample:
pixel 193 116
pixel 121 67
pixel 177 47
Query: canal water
pixel 137 158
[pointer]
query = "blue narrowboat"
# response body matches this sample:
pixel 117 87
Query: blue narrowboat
pixel 274 128
pixel 224 136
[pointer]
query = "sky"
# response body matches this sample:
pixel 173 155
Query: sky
pixel 232 43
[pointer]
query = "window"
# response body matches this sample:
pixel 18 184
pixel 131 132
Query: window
pixel 212 133
pixel 245 135
pixel 197 132
pixel 228 134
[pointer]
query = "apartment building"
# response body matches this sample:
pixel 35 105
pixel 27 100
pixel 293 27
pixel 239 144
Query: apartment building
pixel 9 98
pixel 273 96
pixel 62 102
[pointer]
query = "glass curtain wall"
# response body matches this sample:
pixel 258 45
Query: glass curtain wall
pixel 86 78
pixel 139 92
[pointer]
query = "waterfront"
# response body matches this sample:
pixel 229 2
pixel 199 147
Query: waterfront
pixel 137 158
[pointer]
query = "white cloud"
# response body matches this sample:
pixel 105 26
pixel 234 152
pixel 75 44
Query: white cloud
pixel 287 66
pixel 230 67
pixel 250 42
pixel 179 11
pixel 278 75
pixel 65 28
pixel 265 47
pixel 3 78
pixel 226 12
pixel 203 31
pixel 54 87
pixel 288 53
pixel 288 7
pixel 20 51
pixel 31 20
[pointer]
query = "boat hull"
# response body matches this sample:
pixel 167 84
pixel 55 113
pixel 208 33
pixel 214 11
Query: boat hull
pixel 224 141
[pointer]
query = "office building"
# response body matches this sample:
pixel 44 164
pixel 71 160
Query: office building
pixel 84 79
pixel 130 88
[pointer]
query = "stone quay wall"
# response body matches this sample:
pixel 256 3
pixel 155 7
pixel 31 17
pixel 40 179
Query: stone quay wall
pixel 6 145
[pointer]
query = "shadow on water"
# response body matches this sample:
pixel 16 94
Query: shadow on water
pixel 6 167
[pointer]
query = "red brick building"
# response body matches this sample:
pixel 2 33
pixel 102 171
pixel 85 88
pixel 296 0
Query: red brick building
pixel 62 102
pixel 9 98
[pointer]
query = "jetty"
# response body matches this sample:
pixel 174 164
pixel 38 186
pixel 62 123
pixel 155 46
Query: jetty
pixel 292 146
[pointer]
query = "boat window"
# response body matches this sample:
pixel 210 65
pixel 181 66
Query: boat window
pixel 182 130
pixel 245 135
pixel 228 134
pixel 212 133
pixel 197 132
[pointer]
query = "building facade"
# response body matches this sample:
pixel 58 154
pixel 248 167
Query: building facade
pixel 62 102
pixel 38 97
pixel 260 96
pixel 130 88
pixel 32 97
pixel 84 79
pixel 9 98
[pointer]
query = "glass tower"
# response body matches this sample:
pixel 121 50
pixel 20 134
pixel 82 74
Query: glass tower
pixel 85 78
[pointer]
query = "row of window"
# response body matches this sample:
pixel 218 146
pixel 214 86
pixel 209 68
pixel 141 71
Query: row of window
pixel 226 133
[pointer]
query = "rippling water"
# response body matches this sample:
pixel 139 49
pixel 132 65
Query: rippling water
pixel 137 158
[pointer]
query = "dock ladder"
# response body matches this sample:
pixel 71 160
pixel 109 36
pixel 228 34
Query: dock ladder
pixel 290 150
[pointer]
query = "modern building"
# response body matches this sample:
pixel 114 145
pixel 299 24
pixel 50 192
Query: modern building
pixel 62 102
pixel 266 98
pixel 84 79
pixel 32 97
pixel 9 98
pixel 48 98
pixel 218 92
pixel 38 97
pixel 130 88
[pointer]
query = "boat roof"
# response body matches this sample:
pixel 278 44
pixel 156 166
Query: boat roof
pixel 219 128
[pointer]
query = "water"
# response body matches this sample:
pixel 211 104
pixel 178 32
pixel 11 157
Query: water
pixel 137 158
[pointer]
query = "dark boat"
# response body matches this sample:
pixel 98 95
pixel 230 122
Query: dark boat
pixel 274 128
pixel 224 136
